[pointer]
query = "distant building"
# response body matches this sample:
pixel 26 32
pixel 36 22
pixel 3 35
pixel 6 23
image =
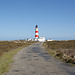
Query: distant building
pixel 35 39
pixel 29 39
pixel 50 40
pixel 41 39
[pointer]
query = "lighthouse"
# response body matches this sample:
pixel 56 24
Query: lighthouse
pixel 37 38
pixel 36 32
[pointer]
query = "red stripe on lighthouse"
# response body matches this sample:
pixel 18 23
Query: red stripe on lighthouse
pixel 36 35
pixel 36 31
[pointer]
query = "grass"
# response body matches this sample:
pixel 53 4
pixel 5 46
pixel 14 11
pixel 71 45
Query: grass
pixel 6 59
pixel 6 46
pixel 8 50
pixel 64 50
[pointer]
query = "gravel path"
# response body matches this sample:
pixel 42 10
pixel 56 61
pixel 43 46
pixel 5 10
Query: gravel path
pixel 34 60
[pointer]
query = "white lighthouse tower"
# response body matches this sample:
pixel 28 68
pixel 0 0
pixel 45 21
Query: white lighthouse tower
pixel 36 33
pixel 37 38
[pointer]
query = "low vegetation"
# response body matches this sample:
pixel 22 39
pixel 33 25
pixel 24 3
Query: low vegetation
pixel 64 50
pixel 6 46
pixel 7 50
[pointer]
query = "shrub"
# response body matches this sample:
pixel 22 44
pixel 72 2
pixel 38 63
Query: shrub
pixel 59 54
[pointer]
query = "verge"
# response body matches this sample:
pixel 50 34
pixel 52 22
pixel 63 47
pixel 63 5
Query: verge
pixel 6 59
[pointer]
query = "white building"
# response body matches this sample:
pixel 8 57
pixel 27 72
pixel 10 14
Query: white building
pixel 36 39
pixel 50 40
pixel 29 39
pixel 41 39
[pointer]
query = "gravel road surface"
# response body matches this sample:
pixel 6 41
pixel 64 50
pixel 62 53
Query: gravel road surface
pixel 34 60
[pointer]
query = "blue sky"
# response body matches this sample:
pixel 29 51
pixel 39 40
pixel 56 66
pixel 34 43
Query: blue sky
pixel 55 18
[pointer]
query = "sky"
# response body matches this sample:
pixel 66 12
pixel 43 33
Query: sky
pixel 55 19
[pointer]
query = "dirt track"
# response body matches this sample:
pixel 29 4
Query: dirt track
pixel 34 60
